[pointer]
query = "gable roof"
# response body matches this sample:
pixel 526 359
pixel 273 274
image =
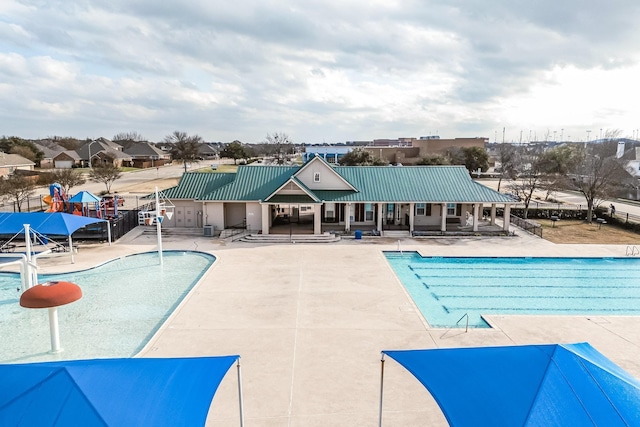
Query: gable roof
pixel 67 154
pixel 306 195
pixel 194 185
pixel 631 154
pixel 14 160
pixel 143 149
pixel 420 184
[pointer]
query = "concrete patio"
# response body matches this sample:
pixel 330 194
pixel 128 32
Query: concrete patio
pixel 309 322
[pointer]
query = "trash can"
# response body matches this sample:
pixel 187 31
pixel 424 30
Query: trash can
pixel 208 231
pixel 358 234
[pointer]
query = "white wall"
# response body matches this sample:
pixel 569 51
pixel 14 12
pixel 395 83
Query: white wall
pixel 185 214
pixel 254 216
pixel 214 215
pixel 329 179
pixel 234 214
pixel 434 219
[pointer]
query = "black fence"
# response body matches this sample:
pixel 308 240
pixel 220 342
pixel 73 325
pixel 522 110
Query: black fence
pixel 527 225
pixel 125 222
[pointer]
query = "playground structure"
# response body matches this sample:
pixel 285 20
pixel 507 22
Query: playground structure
pixel 56 199
pixel 82 204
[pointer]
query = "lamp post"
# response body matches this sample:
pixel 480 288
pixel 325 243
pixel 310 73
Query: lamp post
pixel 90 144
pixel 588 132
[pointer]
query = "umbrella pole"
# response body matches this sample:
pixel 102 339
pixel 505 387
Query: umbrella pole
pixel 381 387
pixel 240 394
pixel 27 242
pixel 54 330
pixel 71 250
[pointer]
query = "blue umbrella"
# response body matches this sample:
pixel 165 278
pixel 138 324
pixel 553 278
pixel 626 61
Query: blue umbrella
pixel 531 385
pixel 84 197
pixel 111 392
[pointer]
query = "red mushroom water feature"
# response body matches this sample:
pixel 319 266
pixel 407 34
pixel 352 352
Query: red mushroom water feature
pixel 51 295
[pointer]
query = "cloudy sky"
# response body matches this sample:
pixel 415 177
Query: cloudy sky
pixel 320 71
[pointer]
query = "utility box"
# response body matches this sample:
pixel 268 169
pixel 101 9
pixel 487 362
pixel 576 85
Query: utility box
pixel 208 231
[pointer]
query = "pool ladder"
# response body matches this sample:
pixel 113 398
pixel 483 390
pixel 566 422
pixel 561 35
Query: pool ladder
pixel 632 251
pixel 466 328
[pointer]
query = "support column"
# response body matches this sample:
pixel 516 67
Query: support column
pixel 411 218
pixel 475 216
pixel 347 217
pixel 380 216
pixel 443 220
pixel 507 217
pixel 266 218
pixel 493 214
pixel 317 220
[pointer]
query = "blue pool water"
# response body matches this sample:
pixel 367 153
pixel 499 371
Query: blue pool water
pixel 445 289
pixel 124 303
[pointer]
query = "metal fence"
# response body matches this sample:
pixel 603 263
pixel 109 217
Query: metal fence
pixel 35 203
pixel 527 225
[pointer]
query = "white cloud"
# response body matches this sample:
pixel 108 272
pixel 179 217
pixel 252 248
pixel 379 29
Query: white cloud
pixel 317 70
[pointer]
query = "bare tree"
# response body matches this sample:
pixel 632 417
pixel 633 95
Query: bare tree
pixel 18 188
pixel 532 173
pixel 596 174
pixel 185 147
pixel 128 139
pixel 67 178
pixel 280 146
pixel 106 174
pixel 128 136
pixel 507 157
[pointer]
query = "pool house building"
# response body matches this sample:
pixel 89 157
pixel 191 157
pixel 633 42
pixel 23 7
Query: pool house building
pixel 317 198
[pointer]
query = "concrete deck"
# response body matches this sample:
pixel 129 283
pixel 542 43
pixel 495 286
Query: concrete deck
pixel 309 322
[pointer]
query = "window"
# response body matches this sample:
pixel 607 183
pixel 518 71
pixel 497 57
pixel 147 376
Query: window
pixel 368 212
pixel 330 211
pixel 316 177
pixel 451 209
pixel 421 209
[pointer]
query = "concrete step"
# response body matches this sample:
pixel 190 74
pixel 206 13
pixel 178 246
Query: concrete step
pixel 294 238
pixel 396 233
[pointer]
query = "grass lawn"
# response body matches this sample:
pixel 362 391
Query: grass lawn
pixel 576 231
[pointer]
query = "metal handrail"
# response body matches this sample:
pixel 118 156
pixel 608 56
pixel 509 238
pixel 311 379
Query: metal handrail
pixel 632 251
pixel 466 328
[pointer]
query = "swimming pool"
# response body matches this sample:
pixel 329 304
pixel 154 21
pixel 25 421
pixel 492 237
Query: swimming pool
pixel 445 289
pixel 124 303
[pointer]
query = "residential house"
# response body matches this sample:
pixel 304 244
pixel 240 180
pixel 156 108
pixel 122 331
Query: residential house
pixel 146 155
pixel 207 152
pixel 9 163
pixel 66 159
pixel 102 151
pixel 47 160
pixel 318 197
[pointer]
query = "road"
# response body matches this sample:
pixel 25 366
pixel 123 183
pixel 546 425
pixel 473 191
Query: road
pixel 574 198
pixel 130 185
pixel 129 181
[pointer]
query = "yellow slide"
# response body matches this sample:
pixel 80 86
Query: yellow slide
pixel 53 206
